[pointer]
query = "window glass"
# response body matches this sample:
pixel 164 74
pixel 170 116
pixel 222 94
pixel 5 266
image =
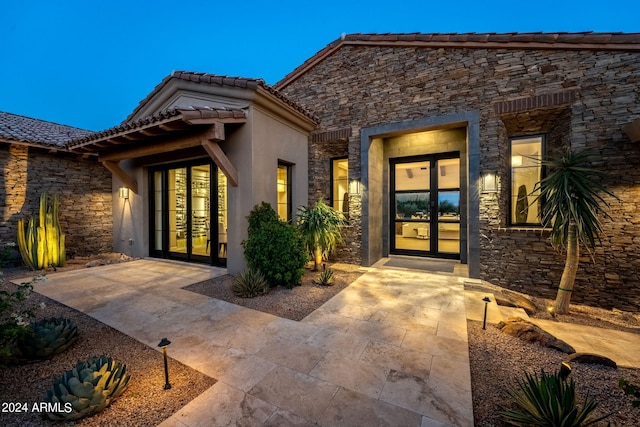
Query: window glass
pixel 526 171
pixel 413 176
pixel 340 185
pixel 284 192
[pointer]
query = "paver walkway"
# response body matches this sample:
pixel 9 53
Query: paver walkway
pixel 391 349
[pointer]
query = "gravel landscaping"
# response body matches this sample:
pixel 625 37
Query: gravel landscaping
pixel 295 303
pixel 144 403
pixel 497 360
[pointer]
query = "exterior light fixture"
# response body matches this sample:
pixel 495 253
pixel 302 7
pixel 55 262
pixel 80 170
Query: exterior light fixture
pixel 354 186
pixel 124 193
pixel 486 304
pixel 164 343
pixel 489 183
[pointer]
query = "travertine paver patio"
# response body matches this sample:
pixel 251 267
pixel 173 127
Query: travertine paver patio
pixel 391 349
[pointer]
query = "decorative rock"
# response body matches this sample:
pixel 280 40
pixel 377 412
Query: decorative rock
pixel 591 358
pixel 527 331
pixel 513 299
pixel 108 258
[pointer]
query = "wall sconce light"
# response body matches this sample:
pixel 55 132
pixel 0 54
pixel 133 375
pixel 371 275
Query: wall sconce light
pixel 354 186
pixel 516 160
pixel 489 183
pixel 124 193
pixel 164 343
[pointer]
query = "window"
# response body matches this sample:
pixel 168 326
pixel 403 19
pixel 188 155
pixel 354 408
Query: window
pixel 284 191
pixel 340 185
pixel 526 171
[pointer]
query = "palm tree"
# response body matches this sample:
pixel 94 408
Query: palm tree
pixel 571 202
pixel 320 226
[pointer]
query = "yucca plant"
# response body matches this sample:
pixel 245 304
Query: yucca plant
pixel 326 278
pixel 249 284
pixel 549 401
pixel 48 337
pixel 42 243
pixel 320 226
pixel 89 388
pixel 571 202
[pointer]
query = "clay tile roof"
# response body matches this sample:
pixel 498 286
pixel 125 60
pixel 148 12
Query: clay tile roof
pixel 177 113
pixel 26 130
pixel 539 40
pixel 214 79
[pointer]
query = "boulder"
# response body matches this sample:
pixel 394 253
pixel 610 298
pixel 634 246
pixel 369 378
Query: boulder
pixel 591 358
pixel 527 331
pixel 108 258
pixel 513 299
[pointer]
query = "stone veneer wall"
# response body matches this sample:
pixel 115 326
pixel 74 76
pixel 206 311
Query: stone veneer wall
pixel 84 187
pixel 579 98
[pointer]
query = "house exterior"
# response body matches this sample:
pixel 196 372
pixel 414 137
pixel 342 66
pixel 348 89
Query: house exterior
pixel 429 143
pixel 440 134
pixel 184 169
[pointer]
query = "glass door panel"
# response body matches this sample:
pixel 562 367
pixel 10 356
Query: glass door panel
pixel 177 210
pixel 449 222
pixel 426 206
pixel 158 211
pixel 411 206
pixel 222 216
pixel 448 206
pixel 200 209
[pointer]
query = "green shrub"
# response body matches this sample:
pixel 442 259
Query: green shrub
pixel 274 248
pixel 326 278
pixel 15 314
pixel 548 401
pixel 249 284
pixel 260 215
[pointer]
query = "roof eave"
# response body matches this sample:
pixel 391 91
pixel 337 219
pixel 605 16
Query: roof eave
pixel 525 41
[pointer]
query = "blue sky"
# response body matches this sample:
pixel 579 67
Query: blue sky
pixel 88 64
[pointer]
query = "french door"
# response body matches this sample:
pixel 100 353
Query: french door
pixel 425 205
pixel 189 213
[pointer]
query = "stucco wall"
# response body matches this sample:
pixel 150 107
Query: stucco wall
pixel 83 185
pixel 363 86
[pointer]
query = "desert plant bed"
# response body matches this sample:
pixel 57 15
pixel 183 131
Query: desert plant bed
pixel 144 403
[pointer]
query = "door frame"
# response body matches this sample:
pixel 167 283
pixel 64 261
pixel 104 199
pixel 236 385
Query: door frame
pixel 213 258
pixel 433 251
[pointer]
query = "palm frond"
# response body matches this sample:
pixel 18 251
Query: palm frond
pixel 572 193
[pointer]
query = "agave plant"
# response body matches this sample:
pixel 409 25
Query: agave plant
pixel 48 337
pixel 89 387
pixel 549 400
pixel 249 284
pixel 326 278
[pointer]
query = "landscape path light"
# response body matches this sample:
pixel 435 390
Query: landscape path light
pixel 486 304
pixel 164 343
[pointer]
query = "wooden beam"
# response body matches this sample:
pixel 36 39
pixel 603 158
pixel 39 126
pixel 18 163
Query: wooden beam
pixel 221 160
pixel 173 126
pixel 152 132
pixel 151 147
pixel 134 136
pixel 118 140
pixel 115 169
